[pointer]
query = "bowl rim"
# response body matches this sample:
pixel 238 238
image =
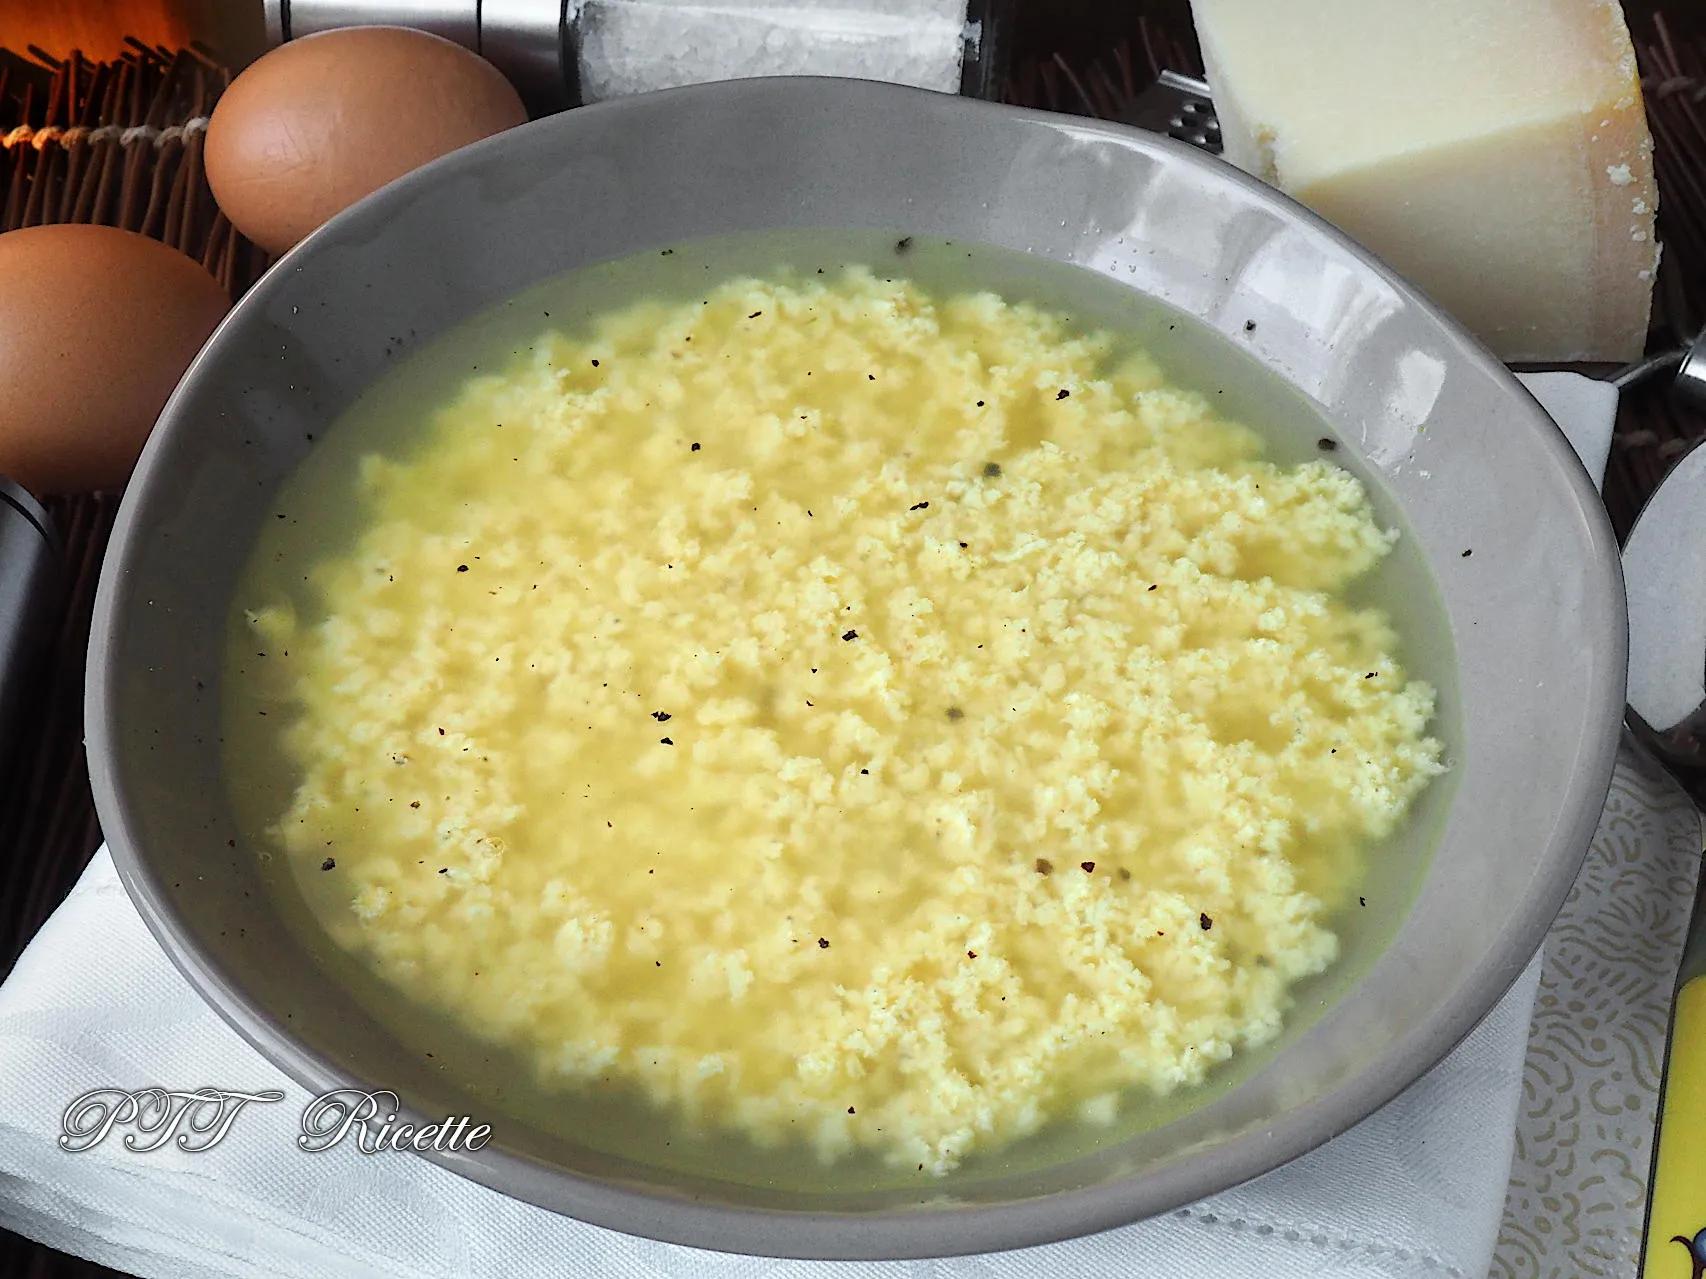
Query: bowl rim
pixel 930 1231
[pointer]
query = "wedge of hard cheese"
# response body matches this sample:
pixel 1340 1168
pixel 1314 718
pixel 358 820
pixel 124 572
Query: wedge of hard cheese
pixel 1493 151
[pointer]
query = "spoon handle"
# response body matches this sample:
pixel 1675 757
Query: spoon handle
pixel 1676 1218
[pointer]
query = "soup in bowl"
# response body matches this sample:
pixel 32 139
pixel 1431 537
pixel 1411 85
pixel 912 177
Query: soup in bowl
pixel 844 701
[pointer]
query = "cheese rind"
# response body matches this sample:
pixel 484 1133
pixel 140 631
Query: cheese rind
pixel 1497 154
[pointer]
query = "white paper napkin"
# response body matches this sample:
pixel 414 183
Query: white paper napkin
pixel 1416 1189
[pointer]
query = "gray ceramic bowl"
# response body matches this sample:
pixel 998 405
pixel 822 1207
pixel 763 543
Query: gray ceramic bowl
pixel 1536 615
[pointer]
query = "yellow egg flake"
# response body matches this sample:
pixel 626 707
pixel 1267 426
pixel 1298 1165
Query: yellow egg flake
pixel 861 718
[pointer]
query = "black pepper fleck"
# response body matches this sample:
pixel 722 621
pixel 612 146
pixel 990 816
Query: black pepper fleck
pixel 823 943
pixel 1087 867
pixel 1326 445
pixel 900 246
pixel 1249 326
pixel 461 568
pixel 1063 394
pixel 991 469
pixel 329 864
pixel 919 506
pixel 695 447
pixel 665 741
pixel 850 635
pixel 755 315
pixel 661 716
pixel 1206 922
pixel 1362 901
pixel 1467 554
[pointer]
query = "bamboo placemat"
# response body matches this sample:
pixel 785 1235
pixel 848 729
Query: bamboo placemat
pixel 120 143
pixel 117 143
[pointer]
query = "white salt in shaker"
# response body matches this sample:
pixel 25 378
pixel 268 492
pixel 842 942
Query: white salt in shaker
pixel 560 52
pixel 630 46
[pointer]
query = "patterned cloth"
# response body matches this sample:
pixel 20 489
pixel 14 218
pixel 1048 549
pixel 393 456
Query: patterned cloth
pixel 1584 1138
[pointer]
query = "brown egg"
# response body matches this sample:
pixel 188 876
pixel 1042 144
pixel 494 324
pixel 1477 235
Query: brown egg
pixel 96 327
pixel 322 121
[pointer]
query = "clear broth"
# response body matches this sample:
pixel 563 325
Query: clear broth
pixel 318 507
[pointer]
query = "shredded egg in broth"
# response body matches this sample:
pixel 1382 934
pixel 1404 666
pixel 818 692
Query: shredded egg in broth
pixel 848 714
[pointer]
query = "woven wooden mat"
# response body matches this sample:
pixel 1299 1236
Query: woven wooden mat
pixel 120 143
pixel 117 143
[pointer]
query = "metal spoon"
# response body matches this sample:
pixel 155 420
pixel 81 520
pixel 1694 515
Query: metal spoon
pixel 1664 567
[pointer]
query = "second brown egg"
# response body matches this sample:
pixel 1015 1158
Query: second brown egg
pixel 320 122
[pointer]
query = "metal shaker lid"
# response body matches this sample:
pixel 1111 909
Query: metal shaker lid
pixel 530 41
pixel 457 20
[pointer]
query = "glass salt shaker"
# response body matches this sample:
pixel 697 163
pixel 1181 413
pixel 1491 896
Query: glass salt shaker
pixel 559 53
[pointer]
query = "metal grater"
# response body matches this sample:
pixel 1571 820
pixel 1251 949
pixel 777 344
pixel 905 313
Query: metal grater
pixel 1180 107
